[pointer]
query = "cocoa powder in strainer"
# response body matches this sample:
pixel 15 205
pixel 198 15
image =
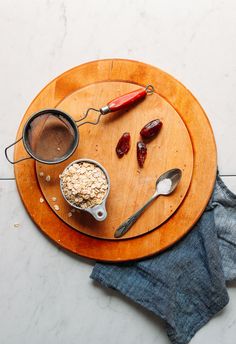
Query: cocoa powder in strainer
pixel 50 137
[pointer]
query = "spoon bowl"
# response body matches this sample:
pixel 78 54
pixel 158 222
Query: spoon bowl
pixel 172 178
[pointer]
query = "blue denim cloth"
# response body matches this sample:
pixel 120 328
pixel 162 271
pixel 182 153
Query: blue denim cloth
pixel 184 285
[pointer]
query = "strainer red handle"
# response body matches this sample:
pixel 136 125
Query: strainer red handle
pixel 127 100
pixel 118 103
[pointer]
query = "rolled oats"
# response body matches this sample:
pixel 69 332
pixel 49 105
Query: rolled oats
pixel 84 184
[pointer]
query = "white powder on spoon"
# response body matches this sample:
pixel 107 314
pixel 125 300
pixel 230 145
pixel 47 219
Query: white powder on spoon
pixel 164 186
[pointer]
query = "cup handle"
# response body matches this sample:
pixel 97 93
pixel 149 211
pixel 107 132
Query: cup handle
pixel 99 212
pixel 6 155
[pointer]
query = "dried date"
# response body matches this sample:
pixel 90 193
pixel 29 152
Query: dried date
pixel 123 145
pixel 141 153
pixel 151 129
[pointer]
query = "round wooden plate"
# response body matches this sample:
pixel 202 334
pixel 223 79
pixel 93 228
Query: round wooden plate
pixel 131 186
pixel 204 166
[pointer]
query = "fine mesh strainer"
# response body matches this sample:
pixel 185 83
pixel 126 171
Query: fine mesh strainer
pixel 51 136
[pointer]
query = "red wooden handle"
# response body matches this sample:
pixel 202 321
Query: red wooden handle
pixel 127 99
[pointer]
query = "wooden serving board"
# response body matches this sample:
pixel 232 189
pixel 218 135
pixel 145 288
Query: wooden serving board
pixel 204 163
pixel 131 186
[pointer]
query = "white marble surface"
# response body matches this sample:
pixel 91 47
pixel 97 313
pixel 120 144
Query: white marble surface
pixel 45 294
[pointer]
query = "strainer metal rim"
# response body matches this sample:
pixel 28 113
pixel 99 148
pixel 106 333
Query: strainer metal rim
pixel 41 112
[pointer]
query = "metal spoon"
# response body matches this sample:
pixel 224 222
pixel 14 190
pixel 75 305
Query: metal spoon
pixel 165 185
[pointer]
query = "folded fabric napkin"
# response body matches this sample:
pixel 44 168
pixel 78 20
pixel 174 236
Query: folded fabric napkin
pixel 184 285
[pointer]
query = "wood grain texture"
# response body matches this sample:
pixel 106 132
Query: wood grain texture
pixel 131 186
pixel 204 168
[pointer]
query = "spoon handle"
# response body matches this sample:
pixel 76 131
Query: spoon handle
pixel 125 226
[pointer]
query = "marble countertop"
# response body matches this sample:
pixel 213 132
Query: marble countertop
pixel 46 294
